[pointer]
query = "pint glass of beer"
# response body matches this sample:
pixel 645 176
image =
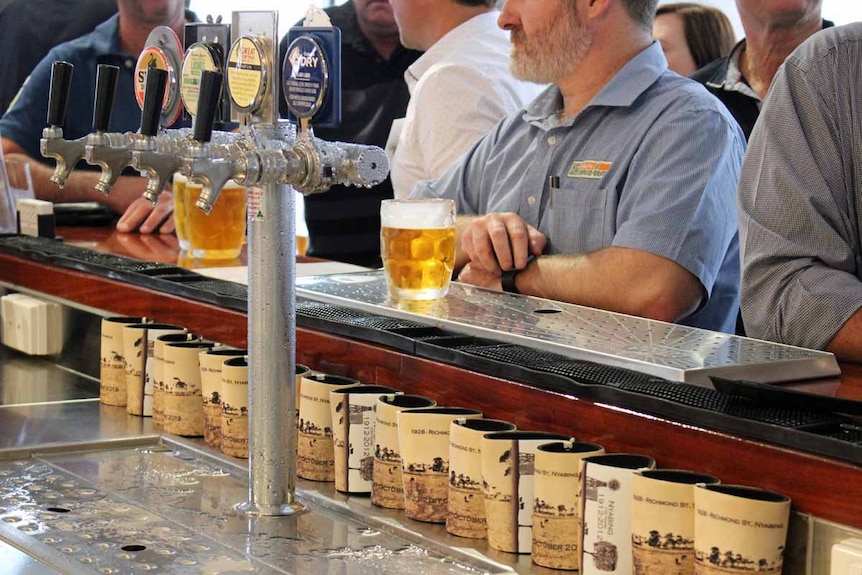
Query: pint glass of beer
pixel 417 243
pixel 219 235
pixel 181 218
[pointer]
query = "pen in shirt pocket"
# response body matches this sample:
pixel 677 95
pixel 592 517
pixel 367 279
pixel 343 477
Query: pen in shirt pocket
pixel 553 187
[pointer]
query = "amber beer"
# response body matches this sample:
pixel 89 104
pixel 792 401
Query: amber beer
pixel 417 244
pixel 181 220
pixel 220 234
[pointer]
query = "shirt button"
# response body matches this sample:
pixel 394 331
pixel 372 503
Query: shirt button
pixel 552 140
pixel 531 200
pixel 129 64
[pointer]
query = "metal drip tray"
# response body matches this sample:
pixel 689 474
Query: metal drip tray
pixel 168 508
pixel 667 350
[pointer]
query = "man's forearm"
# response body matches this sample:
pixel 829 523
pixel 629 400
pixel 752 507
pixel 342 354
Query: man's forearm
pixel 81 186
pixel 616 279
pixel 847 343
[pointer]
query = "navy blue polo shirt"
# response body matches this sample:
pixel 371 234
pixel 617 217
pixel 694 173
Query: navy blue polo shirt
pixel 24 121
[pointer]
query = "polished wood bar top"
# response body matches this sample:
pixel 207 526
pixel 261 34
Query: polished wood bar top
pixel 815 483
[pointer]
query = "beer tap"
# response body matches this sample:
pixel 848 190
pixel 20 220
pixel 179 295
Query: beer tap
pixel 212 170
pixel 110 151
pixel 156 158
pixel 67 153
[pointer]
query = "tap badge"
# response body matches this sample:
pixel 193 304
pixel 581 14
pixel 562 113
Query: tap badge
pixel 246 73
pixel 306 77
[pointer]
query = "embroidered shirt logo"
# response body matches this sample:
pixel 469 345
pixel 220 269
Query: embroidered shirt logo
pixel 592 169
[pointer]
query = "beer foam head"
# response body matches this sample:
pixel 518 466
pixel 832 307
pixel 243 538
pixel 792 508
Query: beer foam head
pixel 417 214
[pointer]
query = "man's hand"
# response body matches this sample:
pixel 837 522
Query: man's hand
pixel 141 215
pixel 497 242
pixel 478 276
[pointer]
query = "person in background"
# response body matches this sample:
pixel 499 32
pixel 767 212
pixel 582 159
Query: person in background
pixel 24 41
pixel 344 223
pixel 773 29
pixel 616 187
pixel 118 41
pixel 692 35
pixel 459 89
pixel 799 199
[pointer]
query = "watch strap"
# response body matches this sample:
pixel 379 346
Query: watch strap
pixel 507 278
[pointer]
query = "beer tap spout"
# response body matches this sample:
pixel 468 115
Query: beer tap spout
pixel 66 153
pixel 156 157
pixel 111 152
pixel 211 171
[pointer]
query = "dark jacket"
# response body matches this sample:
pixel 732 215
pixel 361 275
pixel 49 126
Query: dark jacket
pixel 743 107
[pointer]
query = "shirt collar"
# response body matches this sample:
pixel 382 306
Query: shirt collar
pixel 106 37
pixel 728 76
pixel 451 43
pixel 621 91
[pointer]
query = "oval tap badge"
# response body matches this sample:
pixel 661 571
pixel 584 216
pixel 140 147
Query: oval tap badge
pixel 164 51
pixel 246 74
pixel 305 77
pixel 151 57
pixel 199 57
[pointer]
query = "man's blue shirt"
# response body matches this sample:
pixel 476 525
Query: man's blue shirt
pixel 24 121
pixel 650 163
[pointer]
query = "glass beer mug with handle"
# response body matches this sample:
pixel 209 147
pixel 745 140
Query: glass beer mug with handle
pixel 417 244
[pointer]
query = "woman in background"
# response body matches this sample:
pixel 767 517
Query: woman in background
pixel 692 35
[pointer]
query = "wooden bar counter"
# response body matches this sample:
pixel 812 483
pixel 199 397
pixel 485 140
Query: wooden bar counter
pixel 825 488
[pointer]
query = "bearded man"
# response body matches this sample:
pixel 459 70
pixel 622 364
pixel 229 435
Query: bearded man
pixel 615 188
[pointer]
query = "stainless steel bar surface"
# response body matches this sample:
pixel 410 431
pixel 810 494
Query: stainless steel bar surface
pixel 168 507
pixel 667 350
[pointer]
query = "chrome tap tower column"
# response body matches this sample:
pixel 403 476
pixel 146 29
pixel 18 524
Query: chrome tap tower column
pixel 269 157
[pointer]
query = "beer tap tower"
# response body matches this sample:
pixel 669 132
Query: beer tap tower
pixel 266 155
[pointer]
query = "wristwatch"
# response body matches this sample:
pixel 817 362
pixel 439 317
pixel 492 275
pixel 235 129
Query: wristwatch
pixel 507 278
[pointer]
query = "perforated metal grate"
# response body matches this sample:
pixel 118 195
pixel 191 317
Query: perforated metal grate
pixel 666 350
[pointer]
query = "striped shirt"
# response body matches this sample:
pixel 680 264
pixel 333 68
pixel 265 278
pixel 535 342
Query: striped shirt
pixel 800 199
pixel 651 163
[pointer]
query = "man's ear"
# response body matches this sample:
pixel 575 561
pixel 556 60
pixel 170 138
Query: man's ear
pixel 599 8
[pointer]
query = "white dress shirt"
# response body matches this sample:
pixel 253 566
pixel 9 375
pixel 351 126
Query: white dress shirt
pixel 459 89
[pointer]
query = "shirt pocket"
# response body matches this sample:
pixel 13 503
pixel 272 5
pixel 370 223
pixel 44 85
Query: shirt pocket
pixel 578 217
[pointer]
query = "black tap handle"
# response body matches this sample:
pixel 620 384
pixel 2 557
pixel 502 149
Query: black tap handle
pixel 208 99
pixel 154 95
pixel 61 81
pixel 106 88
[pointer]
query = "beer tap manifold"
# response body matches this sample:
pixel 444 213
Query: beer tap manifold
pixel 253 157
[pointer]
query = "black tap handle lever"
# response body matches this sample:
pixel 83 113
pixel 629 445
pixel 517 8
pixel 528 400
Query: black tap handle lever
pixel 154 96
pixel 61 81
pixel 106 89
pixel 208 99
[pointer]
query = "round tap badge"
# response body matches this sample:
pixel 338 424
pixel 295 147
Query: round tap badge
pixel 199 57
pixel 306 77
pixel 246 74
pixel 163 50
pixel 151 57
